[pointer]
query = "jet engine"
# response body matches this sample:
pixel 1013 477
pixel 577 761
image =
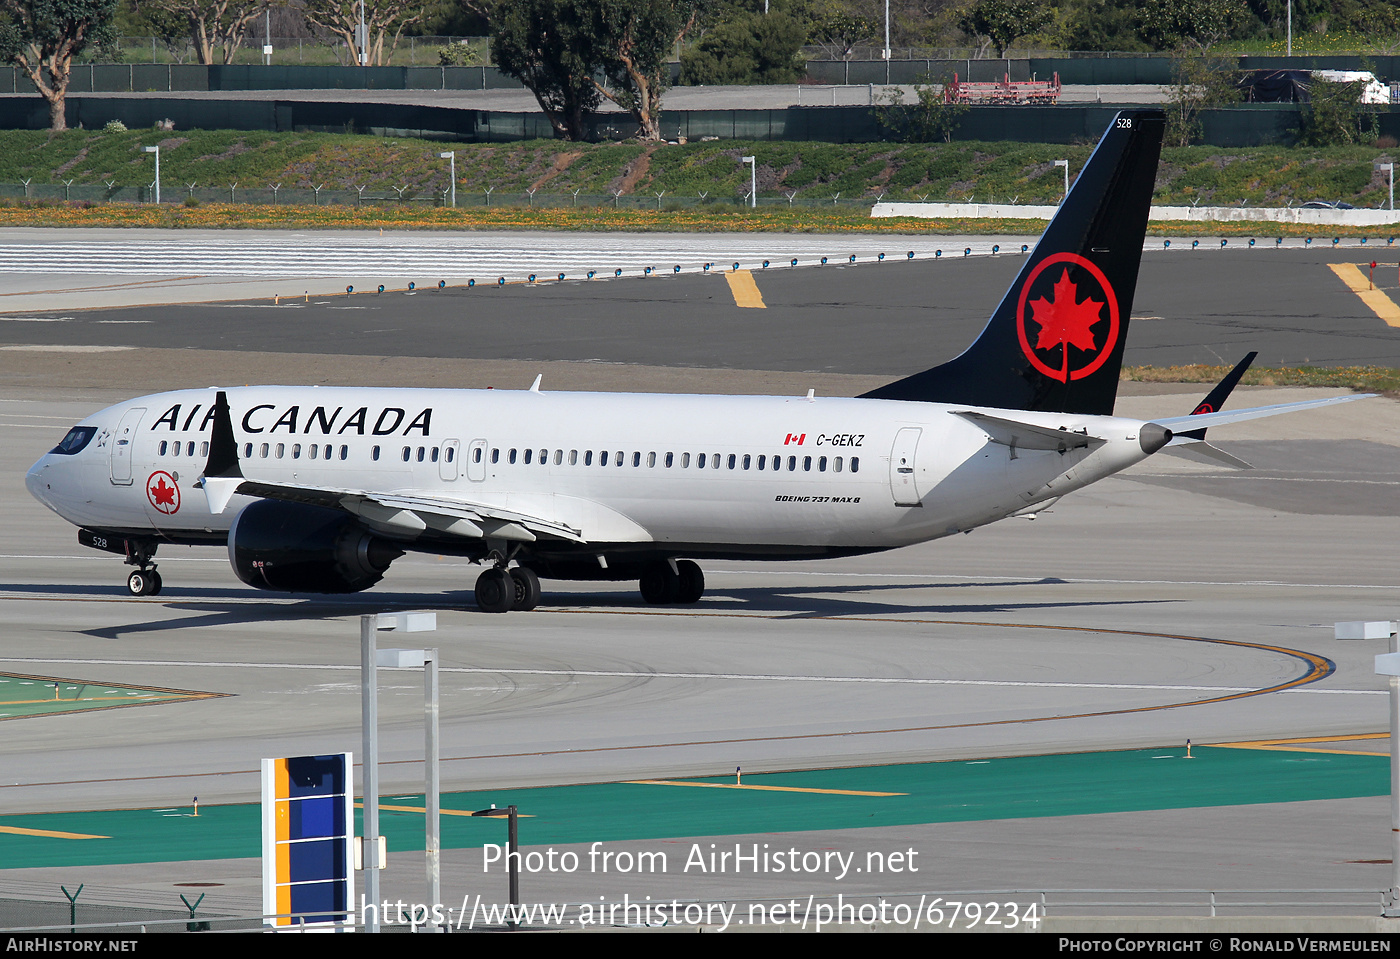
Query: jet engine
pixel 296 548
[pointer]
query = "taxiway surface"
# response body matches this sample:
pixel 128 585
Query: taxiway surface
pixel 1152 608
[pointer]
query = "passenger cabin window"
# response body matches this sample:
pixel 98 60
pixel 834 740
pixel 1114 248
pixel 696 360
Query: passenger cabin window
pixel 373 454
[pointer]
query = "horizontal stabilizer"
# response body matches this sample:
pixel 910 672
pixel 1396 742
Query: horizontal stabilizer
pixel 1187 444
pixel 1206 420
pixel 1028 436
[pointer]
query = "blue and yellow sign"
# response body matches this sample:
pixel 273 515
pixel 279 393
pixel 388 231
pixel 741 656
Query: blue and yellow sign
pixel 308 828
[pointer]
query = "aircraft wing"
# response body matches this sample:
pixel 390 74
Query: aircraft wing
pixel 1206 420
pixel 412 514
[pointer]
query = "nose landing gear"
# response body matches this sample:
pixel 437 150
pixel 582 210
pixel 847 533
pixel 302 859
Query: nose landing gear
pixel 145 581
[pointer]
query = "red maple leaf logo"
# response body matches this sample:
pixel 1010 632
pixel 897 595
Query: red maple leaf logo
pixel 163 495
pixel 1063 321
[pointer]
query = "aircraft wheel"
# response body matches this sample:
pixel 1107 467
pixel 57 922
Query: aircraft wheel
pixel 156 584
pixel 495 591
pixel 527 588
pixel 660 585
pixel 140 583
pixel 691 585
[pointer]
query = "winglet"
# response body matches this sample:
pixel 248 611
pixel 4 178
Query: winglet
pixel 222 474
pixel 1215 399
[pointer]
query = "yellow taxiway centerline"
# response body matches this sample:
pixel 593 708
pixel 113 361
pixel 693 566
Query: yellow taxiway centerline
pixel 1380 304
pixel 1300 744
pixel 745 290
pixel 776 789
pixel 47 833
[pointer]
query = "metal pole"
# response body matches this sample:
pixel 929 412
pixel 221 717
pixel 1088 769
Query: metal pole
pixel 1290 28
pixel 369 710
pixel 433 844
pixel 1394 781
pixel 887 32
pixel 513 841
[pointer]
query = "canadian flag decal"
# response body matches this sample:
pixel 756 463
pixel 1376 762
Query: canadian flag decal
pixel 795 439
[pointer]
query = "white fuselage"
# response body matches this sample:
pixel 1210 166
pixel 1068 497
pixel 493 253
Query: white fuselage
pixel 694 472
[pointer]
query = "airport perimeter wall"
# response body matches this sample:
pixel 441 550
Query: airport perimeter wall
pixel 1238 126
pixel 1091 71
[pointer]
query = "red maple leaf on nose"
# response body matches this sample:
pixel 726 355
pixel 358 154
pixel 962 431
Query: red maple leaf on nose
pixel 1064 321
pixel 163 495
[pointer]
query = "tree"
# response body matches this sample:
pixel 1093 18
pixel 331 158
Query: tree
pixel 929 118
pixel 1102 25
pixel 838 27
pixel 1333 115
pixel 633 41
pixel 42 37
pixel 1204 23
pixel 748 47
pixel 548 46
pixel 382 17
pixel 1001 22
pixel 1201 82
pixel 216 27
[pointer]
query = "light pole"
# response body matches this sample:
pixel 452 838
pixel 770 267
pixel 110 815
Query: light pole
pixel 1390 169
pixel 451 157
pixel 156 151
pixel 1289 51
pixel 1065 164
pixel 886 53
pixel 362 37
pixel 369 728
pixel 753 179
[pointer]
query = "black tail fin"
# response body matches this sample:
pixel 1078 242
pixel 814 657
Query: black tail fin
pixel 1056 341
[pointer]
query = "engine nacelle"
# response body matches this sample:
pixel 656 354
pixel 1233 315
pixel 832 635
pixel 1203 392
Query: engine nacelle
pixel 296 548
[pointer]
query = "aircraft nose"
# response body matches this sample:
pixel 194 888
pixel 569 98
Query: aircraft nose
pixel 36 481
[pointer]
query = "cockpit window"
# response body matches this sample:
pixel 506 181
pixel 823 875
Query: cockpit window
pixel 77 438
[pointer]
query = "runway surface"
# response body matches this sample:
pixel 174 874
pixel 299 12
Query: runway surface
pixel 1155 607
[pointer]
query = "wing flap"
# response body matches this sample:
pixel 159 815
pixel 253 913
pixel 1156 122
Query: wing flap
pixel 411 515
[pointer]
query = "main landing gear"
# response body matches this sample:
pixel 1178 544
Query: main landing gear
pixel 500 590
pixel 145 581
pixel 673 582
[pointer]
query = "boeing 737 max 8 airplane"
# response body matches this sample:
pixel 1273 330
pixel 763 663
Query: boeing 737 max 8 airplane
pixel 318 489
